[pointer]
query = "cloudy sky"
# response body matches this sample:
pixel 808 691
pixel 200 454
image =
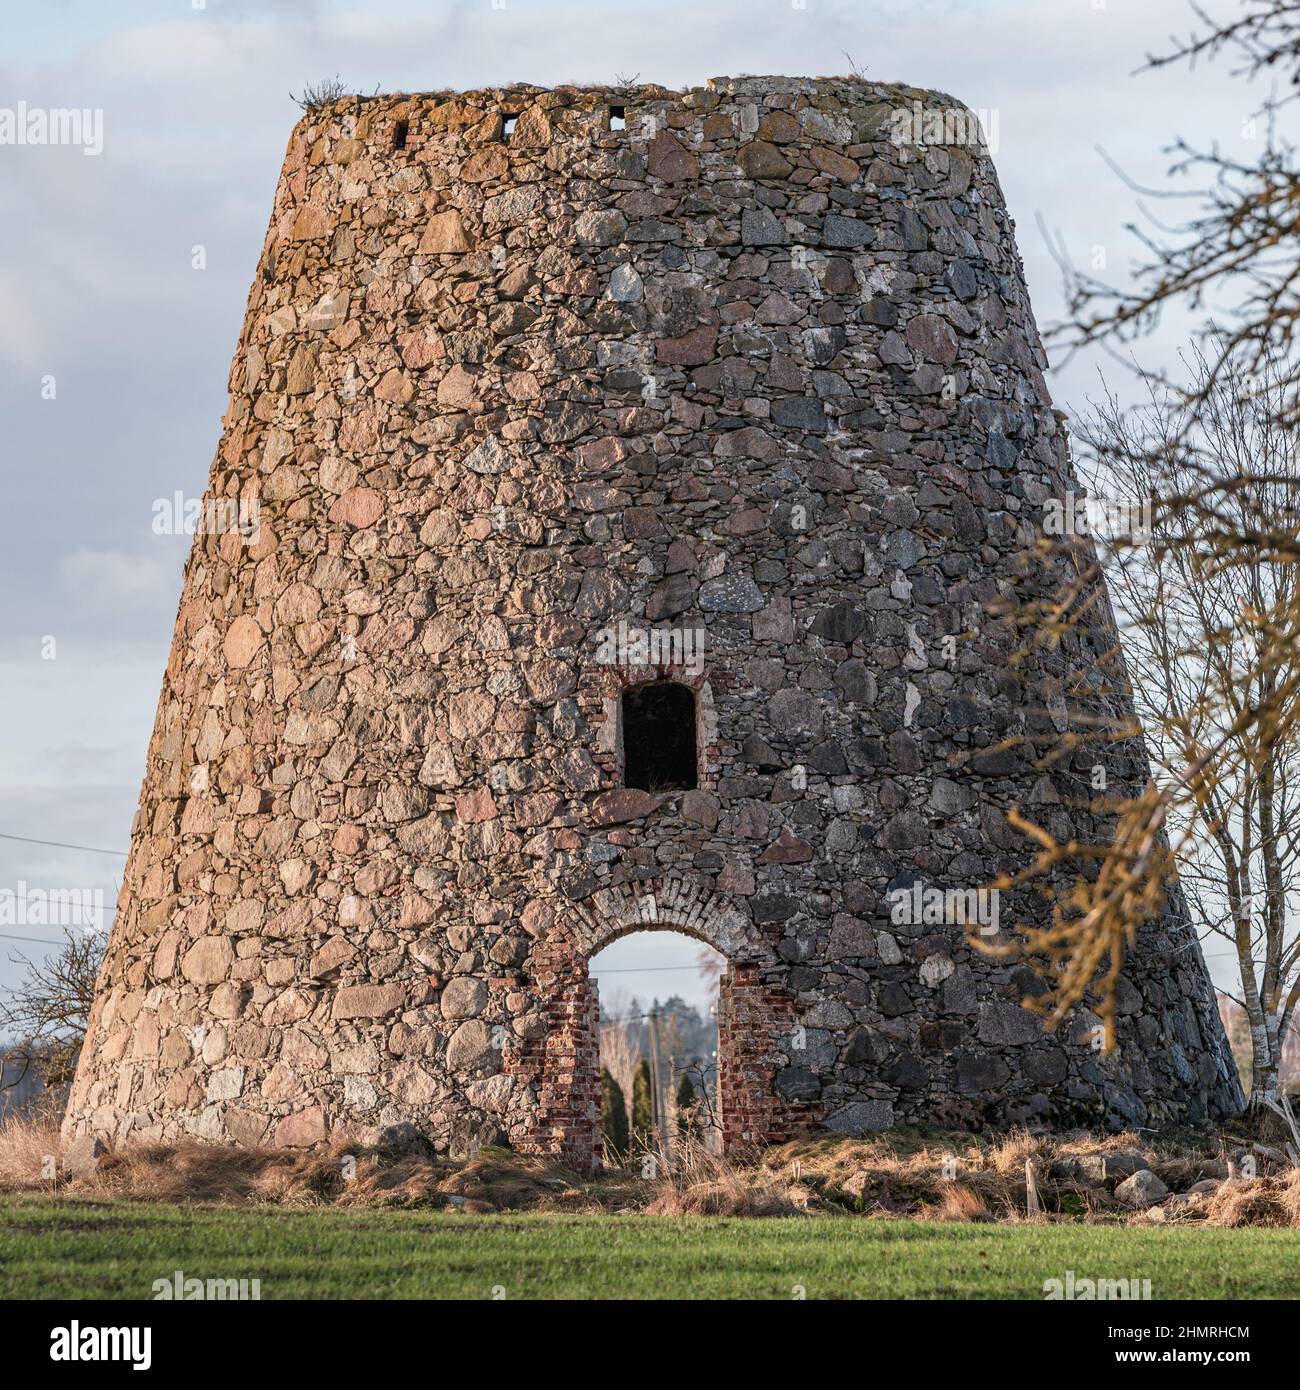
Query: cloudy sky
pixel 115 348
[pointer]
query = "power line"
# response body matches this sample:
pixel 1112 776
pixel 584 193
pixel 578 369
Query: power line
pixel 58 844
pixel 57 895
pixel 39 940
pixel 662 1013
pixel 639 970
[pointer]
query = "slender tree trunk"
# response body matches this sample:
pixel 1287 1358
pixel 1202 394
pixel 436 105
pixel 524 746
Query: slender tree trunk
pixel 1266 1056
pixel 1263 1081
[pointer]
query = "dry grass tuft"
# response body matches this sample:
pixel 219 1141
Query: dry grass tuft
pixel 703 1184
pixel 1007 1156
pixel 506 1181
pixel 957 1202
pixel 731 1194
pixel 875 1177
pixel 26 1142
pixel 903 1173
pixel 1265 1201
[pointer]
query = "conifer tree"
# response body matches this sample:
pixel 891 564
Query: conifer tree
pixel 613 1115
pixel 643 1115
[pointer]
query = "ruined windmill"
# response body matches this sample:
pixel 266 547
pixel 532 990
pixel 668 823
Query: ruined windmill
pixel 620 464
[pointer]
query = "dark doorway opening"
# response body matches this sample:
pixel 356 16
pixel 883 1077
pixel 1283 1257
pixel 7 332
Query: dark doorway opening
pixel 659 751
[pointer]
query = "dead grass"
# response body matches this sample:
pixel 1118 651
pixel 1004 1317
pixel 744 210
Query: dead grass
pixel 731 1194
pixel 973 1178
pixel 1263 1201
pixel 702 1184
pixel 957 1202
pixel 26 1146
pixel 190 1171
pixel 957 1177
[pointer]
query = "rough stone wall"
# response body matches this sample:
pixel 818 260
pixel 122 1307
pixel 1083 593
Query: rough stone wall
pixel 750 367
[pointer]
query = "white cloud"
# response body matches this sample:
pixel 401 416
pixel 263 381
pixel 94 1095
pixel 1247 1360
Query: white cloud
pixel 26 342
pixel 106 578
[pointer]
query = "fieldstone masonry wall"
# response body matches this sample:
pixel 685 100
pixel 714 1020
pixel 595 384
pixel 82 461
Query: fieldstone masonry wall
pixel 754 367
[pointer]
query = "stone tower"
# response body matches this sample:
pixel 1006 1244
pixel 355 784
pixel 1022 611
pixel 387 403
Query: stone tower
pixel 619 464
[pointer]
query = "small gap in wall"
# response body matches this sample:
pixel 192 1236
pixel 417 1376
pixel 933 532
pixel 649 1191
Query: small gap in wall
pixel 400 131
pixel 508 129
pixel 618 118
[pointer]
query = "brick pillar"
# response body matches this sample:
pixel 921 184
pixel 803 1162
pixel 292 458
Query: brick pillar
pixel 754 1025
pixel 566 1062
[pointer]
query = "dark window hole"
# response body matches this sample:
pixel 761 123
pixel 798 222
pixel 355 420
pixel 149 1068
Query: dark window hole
pixel 400 131
pixel 659 752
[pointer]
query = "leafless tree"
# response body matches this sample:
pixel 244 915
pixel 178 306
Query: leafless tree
pixel 1222 559
pixel 44 1017
pixel 702 1116
pixel 1200 640
pixel 1238 242
pixel 620 1044
pixel 710 965
pixel 1207 605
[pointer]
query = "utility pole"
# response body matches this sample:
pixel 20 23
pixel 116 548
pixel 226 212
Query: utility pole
pixel 656 1084
pixel 670 1097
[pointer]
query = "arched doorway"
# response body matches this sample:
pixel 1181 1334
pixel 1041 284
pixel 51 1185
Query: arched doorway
pixel 757 1024
pixel 656 993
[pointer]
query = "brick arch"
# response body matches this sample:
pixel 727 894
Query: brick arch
pixel 667 903
pixel 756 1017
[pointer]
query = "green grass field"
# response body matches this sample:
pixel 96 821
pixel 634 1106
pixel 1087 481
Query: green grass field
pixel 58 1248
